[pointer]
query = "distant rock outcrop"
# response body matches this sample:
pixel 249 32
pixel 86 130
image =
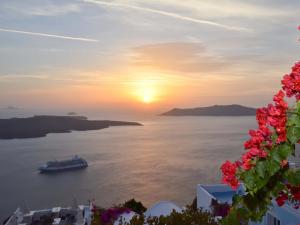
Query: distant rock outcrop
pixel 40 126
pixel 216 110
pixel 11 108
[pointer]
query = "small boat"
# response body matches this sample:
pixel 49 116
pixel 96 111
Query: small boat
pixel 58 166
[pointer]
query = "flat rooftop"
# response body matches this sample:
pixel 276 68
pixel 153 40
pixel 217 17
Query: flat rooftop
pixel 222 192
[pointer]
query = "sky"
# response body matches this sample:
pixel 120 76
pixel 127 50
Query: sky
pixel 144 56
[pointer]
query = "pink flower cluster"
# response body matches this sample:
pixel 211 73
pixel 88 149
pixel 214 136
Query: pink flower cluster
pixel 260 142
pixel 112 214
pixel 229 174
pixel 294 193
pixel 281 199
pixel 291 82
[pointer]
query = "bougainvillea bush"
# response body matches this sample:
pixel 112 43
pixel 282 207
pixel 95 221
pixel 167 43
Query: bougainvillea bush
pixel 219 209
pixel 102 216
pixel 188 216
pixel 107 216
pixel 264 167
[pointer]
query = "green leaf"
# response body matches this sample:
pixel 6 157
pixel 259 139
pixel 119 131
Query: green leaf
pixel 298 107
pixel 294 120
pixel 284 150
pixel 275 156
pixel 272 167
pixel 293 177
pixel 276 188
pixel 281 152
pixel 249 180
pixel 260 168
pixel 293 134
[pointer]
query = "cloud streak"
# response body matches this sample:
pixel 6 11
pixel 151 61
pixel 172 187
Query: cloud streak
pixel 48 35
pixel 44 9
pixel 169 14
pixel 22 76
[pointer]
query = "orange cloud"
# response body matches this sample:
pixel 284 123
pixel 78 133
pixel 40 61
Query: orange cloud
pixel 177 57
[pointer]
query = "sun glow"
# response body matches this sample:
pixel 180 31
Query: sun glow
pixel 146 90
pixel 148 96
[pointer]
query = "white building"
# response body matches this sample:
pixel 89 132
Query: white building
pixel 285 215
pixel 163 208
pixel 81 215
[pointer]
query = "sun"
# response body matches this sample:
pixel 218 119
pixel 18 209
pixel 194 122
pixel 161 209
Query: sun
pixel 146 90
pixel 147 96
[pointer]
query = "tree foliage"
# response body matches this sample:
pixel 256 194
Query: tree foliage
pixel 135 206
pixel 189 216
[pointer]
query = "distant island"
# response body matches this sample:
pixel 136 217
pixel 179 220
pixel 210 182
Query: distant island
pixel 72 113
pixel 40 126
pixel 216 110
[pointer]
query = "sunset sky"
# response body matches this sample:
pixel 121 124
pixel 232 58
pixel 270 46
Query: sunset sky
pixel 139 54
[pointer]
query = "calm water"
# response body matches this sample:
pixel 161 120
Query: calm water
pixel 163 160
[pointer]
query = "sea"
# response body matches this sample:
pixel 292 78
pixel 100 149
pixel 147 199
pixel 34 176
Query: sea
pixel 164 159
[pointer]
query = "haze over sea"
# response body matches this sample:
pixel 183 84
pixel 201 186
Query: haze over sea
pixel 163 160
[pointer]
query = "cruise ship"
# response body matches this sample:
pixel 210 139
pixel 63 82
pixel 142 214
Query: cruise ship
pixel 58 166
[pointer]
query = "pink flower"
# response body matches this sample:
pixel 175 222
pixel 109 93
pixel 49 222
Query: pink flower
pixel 247 165
pixel 291 82
pixel 261 116
pixel 229 174
pixel 281 199
pixel 277 116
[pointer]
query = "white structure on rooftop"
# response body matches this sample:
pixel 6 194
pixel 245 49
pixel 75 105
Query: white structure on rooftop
pixel 220 192
pixel 163 208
